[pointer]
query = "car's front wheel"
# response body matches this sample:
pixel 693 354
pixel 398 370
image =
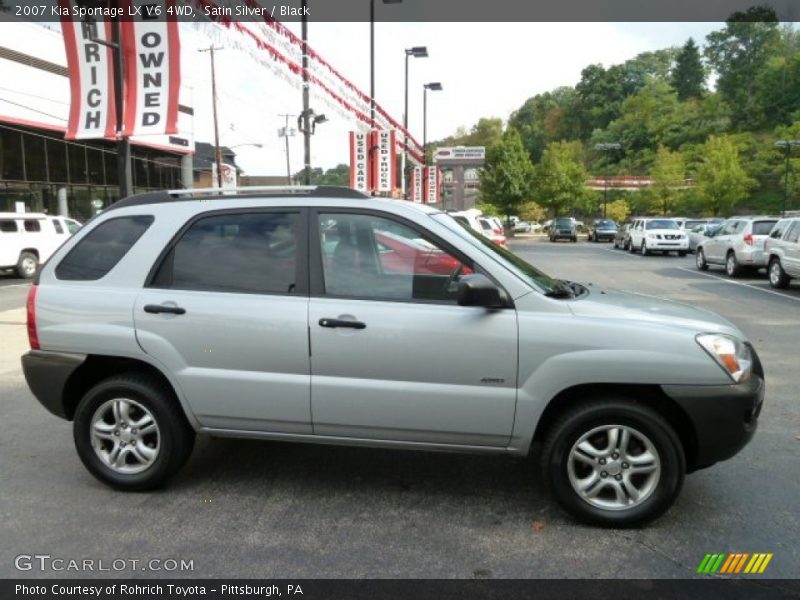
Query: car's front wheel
pixel 700 260
pixel 131 433
pixel 644 249
pixel 614 463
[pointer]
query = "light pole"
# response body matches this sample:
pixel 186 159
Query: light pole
pixel 606 147
pixel 307 124
pixel 416 52
pixel 372 58
pixel 217 149
pixel 787 146
pixel 253 144
pixel 434 87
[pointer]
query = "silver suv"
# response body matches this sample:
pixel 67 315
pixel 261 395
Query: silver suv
pixel 782 249
pixel 738 244
pixel 321 315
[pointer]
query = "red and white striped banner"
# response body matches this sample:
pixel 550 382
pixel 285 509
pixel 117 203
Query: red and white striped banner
pixel 153 71
pixel 359 161
pixel 92 112
pixel 384 163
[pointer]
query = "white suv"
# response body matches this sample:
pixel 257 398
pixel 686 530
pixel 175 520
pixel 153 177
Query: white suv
pixel 28 239
pixel 658 235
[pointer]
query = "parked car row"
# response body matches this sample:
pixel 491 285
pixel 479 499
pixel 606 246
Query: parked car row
pixel 28 239
pixel 738 244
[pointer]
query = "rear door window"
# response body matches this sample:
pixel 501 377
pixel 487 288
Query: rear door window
pixel 8 226
pixel 250 253
pixel 763 227
pixel 102 248
pixel 794 233
pixel 32 225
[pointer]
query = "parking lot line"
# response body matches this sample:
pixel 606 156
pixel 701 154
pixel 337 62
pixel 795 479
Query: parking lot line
pixel 752 287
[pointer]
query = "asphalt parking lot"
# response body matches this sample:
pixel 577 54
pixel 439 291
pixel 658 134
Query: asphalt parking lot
pixel 256 509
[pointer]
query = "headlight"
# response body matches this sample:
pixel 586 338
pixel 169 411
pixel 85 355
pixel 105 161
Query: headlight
pixel 651 236
pixel 730 353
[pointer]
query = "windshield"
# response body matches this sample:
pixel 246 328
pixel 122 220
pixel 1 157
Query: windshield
pixel 607 224
pixel 661 224
pixel 528 272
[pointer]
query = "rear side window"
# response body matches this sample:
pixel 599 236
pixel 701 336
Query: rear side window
pixel 32 226
pixel 794 233
pixel 58 227
pixel 8 226
pixel 251 253
pixel 102 248
pixel 763 227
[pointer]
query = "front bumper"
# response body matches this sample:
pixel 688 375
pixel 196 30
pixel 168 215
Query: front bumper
pixel 724 417
pixel 604 235
pixel 47 374
pixel 656 244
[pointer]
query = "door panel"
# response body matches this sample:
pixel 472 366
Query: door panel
pixel 239 347
pixel 422 368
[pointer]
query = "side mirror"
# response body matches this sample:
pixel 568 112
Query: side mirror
pixel 478 290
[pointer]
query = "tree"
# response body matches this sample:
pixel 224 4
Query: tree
pixel 688 77
pixel 618 210
pixel 560 180
pixel 739 53
pixel 531 212
pixel 507 174
pixel 338 175
pixel 721 180
pixel 669 175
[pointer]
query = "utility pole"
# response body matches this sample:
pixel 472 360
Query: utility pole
pixel 217 149
pixel 285 133
pixel 306 128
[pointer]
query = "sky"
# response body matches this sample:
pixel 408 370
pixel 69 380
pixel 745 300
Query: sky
pixel 486 70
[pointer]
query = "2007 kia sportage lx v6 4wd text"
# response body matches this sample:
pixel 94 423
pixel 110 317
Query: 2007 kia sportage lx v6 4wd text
pixel 286 315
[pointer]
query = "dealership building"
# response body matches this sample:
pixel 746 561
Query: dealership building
pixel 42 171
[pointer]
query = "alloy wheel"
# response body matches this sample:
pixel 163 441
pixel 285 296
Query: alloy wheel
pixel 614 467
pixel 125 436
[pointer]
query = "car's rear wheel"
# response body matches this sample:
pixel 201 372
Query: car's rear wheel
pixel 700 260
pixel 732 268
pixel 630 247
pixel 27 265
pixel 613 462
pixel 130 432
pixel 777 276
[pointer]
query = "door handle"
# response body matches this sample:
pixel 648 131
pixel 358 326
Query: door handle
pixel 161 308
pixel 341 323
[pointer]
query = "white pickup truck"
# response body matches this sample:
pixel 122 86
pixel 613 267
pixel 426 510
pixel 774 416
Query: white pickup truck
pixel 28 239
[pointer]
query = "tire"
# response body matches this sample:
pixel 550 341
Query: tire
pixel 644 249
pixel 616 245
pixel 27 265
pixel 631 248
pixel 681 253
pixel 700 259
pixel 732 267
pixel 648 432
pixel 777 276
pixel 172 440
pixel 626 244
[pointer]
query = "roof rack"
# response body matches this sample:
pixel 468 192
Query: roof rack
pixel 311 191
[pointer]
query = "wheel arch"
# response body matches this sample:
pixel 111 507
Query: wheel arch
pixel 99 367
pixel 646 394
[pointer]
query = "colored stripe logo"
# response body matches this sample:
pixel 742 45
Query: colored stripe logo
pixel 735 563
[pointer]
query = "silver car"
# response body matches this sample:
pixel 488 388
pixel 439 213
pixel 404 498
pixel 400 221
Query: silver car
pixel 299 315
pixel 738 244
pixel 783 252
